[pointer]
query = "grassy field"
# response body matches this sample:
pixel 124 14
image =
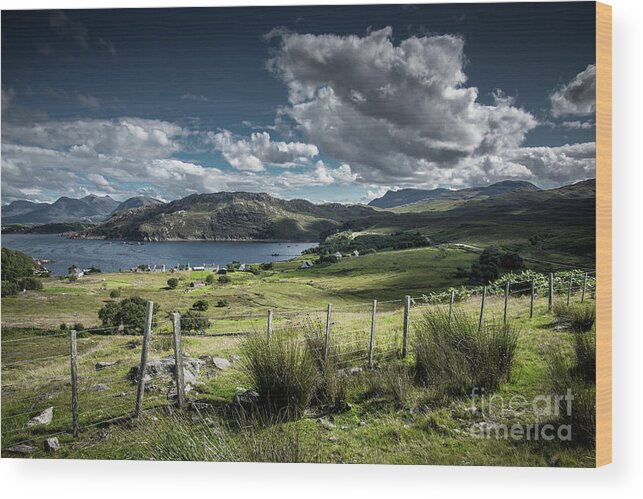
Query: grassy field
pixel 414 428
pixel 386 275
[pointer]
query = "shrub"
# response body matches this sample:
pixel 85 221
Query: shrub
pixel 10 288
pixel 194 321
pixel 330 389
pixel 579 317
pixel 282 372
pixel 585 351
pixel 129 313
pixel 78 326
pixel 31 283
pixel 456 356
pixel 200 305
pixel 267 266
pixel 222 303
pixel 63 326
pixel 209 279
pixel 172 282
pixel 115 293
pixel 224 279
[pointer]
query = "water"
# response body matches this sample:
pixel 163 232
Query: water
pixel 110 256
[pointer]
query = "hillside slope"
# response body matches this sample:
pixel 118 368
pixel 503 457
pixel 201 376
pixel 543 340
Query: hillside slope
pixel 228 216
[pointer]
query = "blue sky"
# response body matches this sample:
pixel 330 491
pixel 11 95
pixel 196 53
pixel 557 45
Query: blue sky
pixel 325 103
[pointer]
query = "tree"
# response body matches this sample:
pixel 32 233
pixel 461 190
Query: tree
pixel 16 265
pixel 193 321
pixel 200 305
pixel 172 282
pixel 222 303
pixel 10 288
pixel 30 283
pixel 224 279
pixel 129 313
pixel 209 279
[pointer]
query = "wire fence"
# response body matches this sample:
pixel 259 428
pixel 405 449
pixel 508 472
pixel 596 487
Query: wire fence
pixel 56 384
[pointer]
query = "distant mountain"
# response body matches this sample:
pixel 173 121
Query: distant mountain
pixel 404 197
pixel 228 216
pixel 136 202
pixel 88 209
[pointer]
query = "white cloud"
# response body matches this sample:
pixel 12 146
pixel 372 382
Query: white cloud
pixel 194 97
pixel 579 125
pixel 62 24
pixel 7 98
pixel 578 97
pixel 395 113
pixel 254 153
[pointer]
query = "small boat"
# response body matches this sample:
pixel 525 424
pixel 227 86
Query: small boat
pixel 275 254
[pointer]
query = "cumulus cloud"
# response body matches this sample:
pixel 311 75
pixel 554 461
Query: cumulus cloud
pixel 577 97
pixel 259 150
pixel 395 113
pixel 579 125
pixel 131 156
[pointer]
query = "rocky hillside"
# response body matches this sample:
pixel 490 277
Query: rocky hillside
pixel 228 216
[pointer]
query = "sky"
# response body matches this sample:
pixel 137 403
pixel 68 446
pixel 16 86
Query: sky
pixel 328 103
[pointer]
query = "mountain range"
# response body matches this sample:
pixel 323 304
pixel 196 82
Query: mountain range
pixel 404 197
pixel 65 209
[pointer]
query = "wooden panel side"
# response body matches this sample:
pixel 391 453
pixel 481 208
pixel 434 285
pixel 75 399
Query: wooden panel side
pixel 603 234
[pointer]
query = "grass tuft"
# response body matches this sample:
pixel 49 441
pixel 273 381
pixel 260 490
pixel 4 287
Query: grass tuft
pixel 456 356
pixel 579 317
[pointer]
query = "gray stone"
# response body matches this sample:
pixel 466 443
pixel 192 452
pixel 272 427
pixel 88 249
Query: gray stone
pixel 221 364
pixel 362 423
pixel 100 387
pixel 21 449
pixel 327 424
pixel 158 368
pixel 52 444
pixel 44 418
pixel 246 398
pixel 104 365
pixel 332 438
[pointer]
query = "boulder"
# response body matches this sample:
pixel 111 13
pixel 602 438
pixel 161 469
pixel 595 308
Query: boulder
pixel 44 418
pixel 221 364
pixel 158 368
pixel 104 365
pixel 327 424
pixel 100 387
pixel 21 449
pixel 52 444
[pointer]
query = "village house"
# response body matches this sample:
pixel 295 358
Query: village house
pixel 306 264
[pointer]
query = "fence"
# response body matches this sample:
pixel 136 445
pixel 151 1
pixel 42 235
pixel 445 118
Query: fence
pixel 70 381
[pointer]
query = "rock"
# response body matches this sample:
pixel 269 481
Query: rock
pixel 100 387
pixel 332 438
pixel 40 399
pixel 247 398
pixel 471 410
pixel 21 449
pixel 44 418
pixel 344 427
pixel 406 426
pixel 52 444
pixel 122 394
pixel 235 358
pixel 165 368
pixel 361 423
pixel 221 364
pixel 327 424
pixel 104 365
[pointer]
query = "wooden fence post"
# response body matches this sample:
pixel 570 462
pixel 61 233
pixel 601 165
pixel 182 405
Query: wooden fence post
pixel 74 384
pixel 178 361
pixel 582 296
pixel 405 334
pixel 533 295
pixel 569 289
pixel 269 325
pixel 550 302
pixel 147 329
pixel 484 295
pixel 327 343
pixel 371 346
pixel 451 305
pixel 506 301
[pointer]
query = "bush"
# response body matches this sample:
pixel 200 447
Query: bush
pixel 193 321
pixel 129 313
pixel 209 279
pixel 224 279
pixel 172 282
pixel 282 372
pixel 585 351
pixel 456 356
pixel 10 288
pixel 31 283
pixel 115 293
pixel 579 317
pixel 330 389
pixel 200 305
pixel 222 303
